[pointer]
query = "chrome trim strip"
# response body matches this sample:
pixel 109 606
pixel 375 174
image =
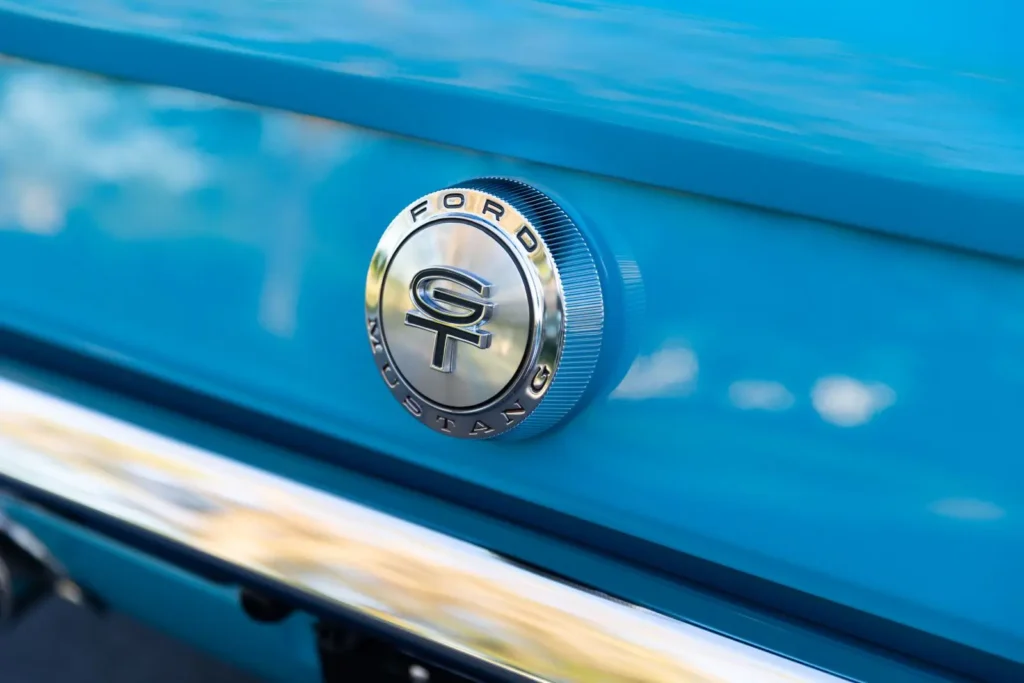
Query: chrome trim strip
pixel 452 593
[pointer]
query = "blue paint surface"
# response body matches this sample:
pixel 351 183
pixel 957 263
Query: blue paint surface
pixel 828 409
pixel 895 115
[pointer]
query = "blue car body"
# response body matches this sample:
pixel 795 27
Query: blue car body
pixel 808 409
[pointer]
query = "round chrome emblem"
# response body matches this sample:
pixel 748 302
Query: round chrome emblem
pixel 484 310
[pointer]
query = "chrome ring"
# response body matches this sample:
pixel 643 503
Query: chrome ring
pixel 508 338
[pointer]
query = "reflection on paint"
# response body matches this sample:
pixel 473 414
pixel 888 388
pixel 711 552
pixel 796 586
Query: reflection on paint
pixel 57 122
pixel 848 402
pixel 670 371
pixel 39 208
pixel 760 395
pixel 967 509
pixel 127 165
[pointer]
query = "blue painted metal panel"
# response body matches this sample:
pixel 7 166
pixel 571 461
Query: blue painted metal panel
pixel 829 409
pixel 900 116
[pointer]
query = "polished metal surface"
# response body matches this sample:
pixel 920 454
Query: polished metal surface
pixel 457 595
pixel 469 314
pixel 472 373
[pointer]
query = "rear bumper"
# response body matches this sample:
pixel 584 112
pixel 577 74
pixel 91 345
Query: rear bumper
pixel 374 566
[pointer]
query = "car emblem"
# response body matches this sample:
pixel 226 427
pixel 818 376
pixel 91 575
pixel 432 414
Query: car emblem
pixel 484 310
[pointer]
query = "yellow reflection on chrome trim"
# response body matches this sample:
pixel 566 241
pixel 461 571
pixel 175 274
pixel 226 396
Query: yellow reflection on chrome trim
pixel 447 591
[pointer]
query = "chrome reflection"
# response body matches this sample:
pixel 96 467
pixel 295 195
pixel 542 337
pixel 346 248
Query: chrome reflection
pixel 450 592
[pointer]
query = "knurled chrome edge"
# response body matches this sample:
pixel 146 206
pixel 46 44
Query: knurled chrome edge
pixel 580 284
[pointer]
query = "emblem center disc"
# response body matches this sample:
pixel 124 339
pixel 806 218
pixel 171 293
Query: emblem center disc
pixel 464 338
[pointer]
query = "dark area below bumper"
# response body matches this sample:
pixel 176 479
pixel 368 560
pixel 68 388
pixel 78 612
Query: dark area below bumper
pixel 60 642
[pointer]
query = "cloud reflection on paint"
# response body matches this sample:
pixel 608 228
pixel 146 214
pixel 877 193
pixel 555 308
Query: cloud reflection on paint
pixel 971 509
pixel 67 135
pixel 752 394
pixel 670 371
pixel 58 122
pixel 847 402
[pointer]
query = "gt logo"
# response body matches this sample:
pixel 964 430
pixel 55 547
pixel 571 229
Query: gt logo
pixel 449 315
